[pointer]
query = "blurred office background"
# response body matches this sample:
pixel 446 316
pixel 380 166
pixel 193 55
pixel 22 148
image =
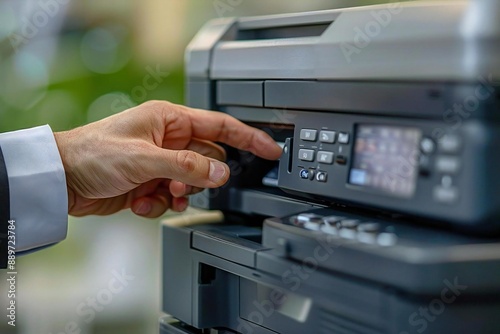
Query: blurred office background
pixel 67 63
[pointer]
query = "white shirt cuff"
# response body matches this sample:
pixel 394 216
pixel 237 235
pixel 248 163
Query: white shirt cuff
pixel 37 186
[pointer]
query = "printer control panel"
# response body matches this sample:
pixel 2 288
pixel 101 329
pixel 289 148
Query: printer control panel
pixel 386 158
pixel 401 165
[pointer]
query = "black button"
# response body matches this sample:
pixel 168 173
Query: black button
pixel 341 159
pixel 424 165
pixel 321 176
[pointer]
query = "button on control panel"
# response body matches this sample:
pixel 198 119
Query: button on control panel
pixel 343 138
pixel 325 157
pixel 308 134
pixel 447 164
pixel 450 143
pixel 327 137
pixel 445 194
pixel 321 176
pixel 307 174
pixel 306 155
pixel 427 146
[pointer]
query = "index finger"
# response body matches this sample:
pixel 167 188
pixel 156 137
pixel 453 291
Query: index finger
pixel 220 127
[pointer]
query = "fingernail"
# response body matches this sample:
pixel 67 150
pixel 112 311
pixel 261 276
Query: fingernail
pixel 217 171
pixel 143 209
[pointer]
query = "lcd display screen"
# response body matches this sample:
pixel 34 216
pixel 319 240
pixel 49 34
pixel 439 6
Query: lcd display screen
pixel 386 159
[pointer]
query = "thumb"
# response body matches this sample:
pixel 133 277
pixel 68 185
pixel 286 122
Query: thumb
pixel 190 168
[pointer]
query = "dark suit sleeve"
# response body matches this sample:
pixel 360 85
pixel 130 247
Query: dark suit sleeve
pixel 4 211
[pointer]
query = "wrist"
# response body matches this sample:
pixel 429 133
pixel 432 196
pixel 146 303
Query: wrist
pixel 60 138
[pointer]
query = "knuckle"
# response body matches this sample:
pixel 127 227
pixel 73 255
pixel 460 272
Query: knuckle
pixel 157 106
pixel 187 161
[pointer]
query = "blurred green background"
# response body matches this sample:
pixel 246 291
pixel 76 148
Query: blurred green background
pixel 67 63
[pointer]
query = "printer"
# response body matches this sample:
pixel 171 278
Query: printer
pixel 382 215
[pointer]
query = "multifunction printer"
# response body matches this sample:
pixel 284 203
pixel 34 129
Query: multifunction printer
pixel 382 215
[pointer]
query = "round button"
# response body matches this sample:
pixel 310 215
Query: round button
pixel 427 146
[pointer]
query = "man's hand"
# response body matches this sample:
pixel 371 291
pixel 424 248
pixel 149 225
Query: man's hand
pixel 150 157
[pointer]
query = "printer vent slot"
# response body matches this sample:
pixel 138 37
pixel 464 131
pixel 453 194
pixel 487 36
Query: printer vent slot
pixel 334 323
pixel 312 30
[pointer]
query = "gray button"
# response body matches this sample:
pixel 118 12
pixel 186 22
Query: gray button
pixel 330 229
pixel 308 217
pixel 367 238
pixel 347 233
pixel 306 155
pixel 446 195
pixel 327 137
pixel 325 157
pixel 446 181
pixel 387 239
pixel 368 232
pixel 321 176
pixel 449 165
pixel 450 144
pixel 349 223
pixel 332 220
pixel 427 146
pixel 343 138
pixel 308 134
pixel 313 225
pixel 369 227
